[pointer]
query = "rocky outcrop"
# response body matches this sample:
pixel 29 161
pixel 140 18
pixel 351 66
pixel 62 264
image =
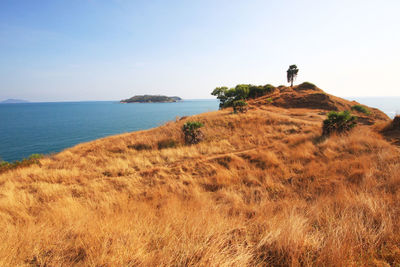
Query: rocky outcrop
pixel 396 122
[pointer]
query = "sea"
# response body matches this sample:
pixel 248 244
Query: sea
pixel 389 105
pixel 45 128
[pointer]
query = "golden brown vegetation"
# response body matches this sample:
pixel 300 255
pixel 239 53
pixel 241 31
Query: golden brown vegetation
pixel 263 188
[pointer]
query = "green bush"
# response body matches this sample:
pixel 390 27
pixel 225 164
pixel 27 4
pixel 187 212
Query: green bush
pixel 35 156
pixel 192 125
pixel 306 85
pixel 239 106
pixel 192 132
pixel 4 164
pixel 32 159
pixel 361 109
pixel 166 143
pixel 257 91
pixel 270 100
pixel 338 122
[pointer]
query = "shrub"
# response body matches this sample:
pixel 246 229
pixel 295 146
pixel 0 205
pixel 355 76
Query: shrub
pixel 338 122
pixel 166 143
pixel 3 164
pixel 192 132
pixel 140 146
pixel 32 159
pixel 35 156
pixel 107 173
pixel 306 85
pixel 269 88
pixel 257 91
pixel 270 100
pixel 239 106
pixel 361 109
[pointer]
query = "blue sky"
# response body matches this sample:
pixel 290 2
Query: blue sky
pixel 109 50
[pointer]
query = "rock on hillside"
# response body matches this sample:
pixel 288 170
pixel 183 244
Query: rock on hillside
pixel 307 95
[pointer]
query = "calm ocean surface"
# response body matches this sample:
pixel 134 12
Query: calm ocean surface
pixel 45 128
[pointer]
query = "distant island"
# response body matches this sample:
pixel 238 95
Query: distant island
pixel 13 101
pixel 151 99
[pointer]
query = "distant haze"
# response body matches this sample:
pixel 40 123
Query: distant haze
pixel 111 50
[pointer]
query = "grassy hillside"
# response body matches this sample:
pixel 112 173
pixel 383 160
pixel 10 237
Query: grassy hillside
pixel 263 188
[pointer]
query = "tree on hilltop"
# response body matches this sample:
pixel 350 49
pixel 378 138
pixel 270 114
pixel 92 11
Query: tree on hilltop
pixel 292 74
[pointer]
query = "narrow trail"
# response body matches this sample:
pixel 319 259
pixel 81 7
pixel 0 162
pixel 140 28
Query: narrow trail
pixel 215 156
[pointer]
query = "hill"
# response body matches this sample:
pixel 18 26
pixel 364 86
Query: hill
pixel 151 99
pixel 307 95
pixel 262 188
pixel 13 101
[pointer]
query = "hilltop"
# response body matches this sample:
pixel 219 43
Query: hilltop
pixel 262 188
pixel 305 95
pixel 308 95
pixel 151 99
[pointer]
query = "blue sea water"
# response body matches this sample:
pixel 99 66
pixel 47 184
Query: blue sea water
pixel 45 128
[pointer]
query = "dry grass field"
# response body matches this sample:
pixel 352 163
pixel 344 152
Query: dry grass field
pixel 263 188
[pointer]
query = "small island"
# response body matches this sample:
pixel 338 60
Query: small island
pixel 13 101
pixel 151 99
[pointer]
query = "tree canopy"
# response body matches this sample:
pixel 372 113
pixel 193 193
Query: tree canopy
pixel 227 96
pixel 292 74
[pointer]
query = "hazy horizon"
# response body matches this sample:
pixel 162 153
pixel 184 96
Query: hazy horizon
pixel 99 50
pixel 210 98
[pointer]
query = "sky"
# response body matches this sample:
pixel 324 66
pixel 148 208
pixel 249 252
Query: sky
pixel 76 50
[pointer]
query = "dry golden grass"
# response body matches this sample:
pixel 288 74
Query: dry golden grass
pixel 262 189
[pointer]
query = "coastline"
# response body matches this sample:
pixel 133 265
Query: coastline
pixel 51 127
pixel 24 147
pixel 249 170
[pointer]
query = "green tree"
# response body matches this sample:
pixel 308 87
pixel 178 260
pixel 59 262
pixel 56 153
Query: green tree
pixel 227 96
pixel 260 90
pixel 241 91
pixel 220 93
pixel 292 74
pixel 239 106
